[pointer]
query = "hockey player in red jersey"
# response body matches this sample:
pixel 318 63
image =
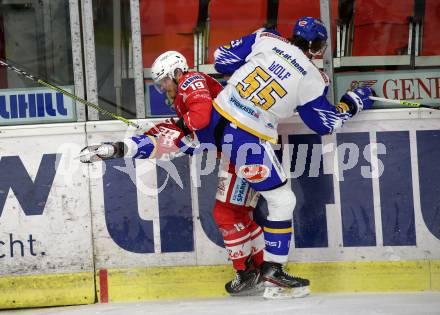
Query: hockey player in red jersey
pixel 191 94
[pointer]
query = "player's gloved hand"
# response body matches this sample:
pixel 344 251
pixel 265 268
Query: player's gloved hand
pixel 356 100
pixel 155 130
pixel 171 139
pixel 168 137
pixel 100 152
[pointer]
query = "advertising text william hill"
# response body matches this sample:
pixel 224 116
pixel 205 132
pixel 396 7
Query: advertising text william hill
pixel 35 105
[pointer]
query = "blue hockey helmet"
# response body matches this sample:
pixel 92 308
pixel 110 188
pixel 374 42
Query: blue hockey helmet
pixel 310 29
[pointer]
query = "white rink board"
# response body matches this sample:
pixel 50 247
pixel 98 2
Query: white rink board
pixel 428 246
pixel 206 252
pixel 178 237
pixel 56 235
pixel 107 253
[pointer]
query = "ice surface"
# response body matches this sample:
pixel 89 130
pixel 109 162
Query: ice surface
pixel 341 304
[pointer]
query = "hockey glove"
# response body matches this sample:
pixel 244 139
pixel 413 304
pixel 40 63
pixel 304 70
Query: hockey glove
pixel 169 122
pixel 100 152
pixel 356 100
pixel 171 139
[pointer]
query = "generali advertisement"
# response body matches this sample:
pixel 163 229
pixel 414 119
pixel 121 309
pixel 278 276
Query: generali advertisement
pixel 419 86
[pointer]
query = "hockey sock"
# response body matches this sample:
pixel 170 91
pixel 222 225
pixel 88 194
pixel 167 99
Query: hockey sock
pixel 277 235
pixel 237 240
pixel 257 243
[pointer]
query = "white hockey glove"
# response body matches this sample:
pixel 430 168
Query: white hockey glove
pixel 100 152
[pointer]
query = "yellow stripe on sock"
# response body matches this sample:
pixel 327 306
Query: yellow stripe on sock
pixel 278 231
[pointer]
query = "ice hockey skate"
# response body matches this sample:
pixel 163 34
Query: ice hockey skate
pixel 246 283
pixel 278 284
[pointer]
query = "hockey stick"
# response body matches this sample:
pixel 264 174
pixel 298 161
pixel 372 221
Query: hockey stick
pixel 406 103
pixel 68 94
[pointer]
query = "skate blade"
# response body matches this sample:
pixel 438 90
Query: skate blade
pixel 256 290
pixel 275 292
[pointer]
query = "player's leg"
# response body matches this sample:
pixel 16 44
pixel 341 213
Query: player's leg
pixel 237 237
pixel 277 235
pixel 257 244
pixel 242 237
pixel 256 162
pixel 238 187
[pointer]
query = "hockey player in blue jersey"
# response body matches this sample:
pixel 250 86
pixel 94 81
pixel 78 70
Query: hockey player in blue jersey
pixel 271 78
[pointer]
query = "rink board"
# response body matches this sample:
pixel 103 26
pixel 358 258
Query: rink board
pixel 135 230
pixel 47 290
pixel 435 275
pixel 46 254
pixel 117 285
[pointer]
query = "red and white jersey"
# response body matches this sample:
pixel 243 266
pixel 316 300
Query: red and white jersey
pixel 194 99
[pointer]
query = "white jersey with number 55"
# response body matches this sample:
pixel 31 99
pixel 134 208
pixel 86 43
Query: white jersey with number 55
pixel 270 79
